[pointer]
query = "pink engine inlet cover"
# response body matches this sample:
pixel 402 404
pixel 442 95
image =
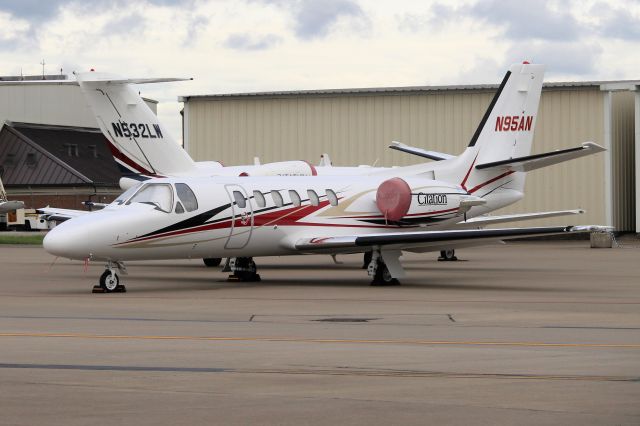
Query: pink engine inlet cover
pixel 393 198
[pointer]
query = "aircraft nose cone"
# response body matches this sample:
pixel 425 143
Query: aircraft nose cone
pixel 54 242
pixel 66 242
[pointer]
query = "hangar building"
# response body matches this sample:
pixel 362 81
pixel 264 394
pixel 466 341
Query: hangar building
pixel 355 126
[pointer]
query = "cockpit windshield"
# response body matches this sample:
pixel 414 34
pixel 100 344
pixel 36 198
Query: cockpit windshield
pixel 126 194
pixel 159 195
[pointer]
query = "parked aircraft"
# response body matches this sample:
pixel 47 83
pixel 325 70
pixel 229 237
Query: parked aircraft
pixel 141 145
pixel 7 206
pixel 420 208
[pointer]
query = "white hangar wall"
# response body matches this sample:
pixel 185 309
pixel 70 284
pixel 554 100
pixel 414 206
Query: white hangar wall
pixel 356 126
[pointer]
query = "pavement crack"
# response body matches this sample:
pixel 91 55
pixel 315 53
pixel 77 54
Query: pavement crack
pixel 450 318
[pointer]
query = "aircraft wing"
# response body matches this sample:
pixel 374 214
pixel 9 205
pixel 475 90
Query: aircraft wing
pixel 60 215
pixel 430 240
pixel 480 221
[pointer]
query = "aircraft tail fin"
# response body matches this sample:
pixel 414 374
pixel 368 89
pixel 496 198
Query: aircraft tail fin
pixel 136 138
pixel 505 132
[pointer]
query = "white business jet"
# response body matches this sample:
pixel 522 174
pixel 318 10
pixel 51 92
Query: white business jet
pixel 419 208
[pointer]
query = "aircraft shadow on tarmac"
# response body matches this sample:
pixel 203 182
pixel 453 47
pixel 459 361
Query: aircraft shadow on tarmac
pixel 163 283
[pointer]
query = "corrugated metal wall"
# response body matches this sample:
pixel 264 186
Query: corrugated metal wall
pixel 356 129
pixel 623 160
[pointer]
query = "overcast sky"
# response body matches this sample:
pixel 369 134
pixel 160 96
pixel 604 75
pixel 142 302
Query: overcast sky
pixel 255 45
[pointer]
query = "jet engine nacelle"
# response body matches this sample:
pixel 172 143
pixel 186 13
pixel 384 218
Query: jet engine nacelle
pixel 281 168
pixel 418 200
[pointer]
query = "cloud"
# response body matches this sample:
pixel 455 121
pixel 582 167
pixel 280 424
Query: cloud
pixel 37 11
pixel 561 58
pixel 196 25
pixel 32 10
pixel 316 19
pixel 131 23
pixel 250 42
pixel 519 20
pixel 617 23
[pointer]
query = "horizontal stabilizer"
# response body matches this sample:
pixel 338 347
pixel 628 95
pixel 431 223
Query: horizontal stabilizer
pixel 480 221
pixel 432 155
pixel 537 161
pixel 9 206
pixel 87 78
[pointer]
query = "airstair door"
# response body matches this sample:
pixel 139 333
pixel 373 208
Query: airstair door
pixel 242 221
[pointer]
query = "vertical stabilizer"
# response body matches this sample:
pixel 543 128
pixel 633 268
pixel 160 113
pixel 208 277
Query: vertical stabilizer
pixel 137 140
pixel 505 131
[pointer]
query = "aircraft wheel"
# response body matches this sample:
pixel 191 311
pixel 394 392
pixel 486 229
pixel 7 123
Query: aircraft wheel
pixel 212 261
pixel 109 281
pixel 383 276
pixel 447 255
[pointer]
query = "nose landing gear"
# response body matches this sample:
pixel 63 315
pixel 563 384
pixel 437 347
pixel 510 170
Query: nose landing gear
pixel 110 279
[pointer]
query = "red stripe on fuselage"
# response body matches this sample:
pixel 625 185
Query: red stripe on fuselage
pixel 464 181
pixel 475 188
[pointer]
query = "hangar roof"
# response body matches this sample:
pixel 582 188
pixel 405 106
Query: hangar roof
pixel 368 91
pixel 46 155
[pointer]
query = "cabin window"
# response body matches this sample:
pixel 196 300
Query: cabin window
pixel 240 200
pixel 277 198
pixel 331 196
pixel 313 197
pixel 295 198
pixel 187 197
pixel 159 195
pixel 179 208
pixel 260 201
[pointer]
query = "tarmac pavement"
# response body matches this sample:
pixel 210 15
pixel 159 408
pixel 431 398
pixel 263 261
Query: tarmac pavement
pixel 524 333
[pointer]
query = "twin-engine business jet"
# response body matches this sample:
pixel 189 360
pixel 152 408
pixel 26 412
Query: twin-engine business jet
pixel 419 208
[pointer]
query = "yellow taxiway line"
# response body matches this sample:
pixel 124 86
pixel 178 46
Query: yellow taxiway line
pixel 319 340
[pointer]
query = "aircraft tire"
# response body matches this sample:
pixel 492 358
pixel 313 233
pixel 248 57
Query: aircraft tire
pixel 109 282
pixel 448 255
pixel 383 276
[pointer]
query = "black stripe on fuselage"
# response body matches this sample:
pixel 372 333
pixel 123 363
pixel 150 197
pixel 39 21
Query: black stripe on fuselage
pixel 197 220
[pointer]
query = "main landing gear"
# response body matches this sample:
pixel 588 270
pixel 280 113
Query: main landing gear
pixel 447 256
pixel 243 269
pixel 380 271
pixel 110 279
